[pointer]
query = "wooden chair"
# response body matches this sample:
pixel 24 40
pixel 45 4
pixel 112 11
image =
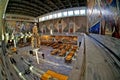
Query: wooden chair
pixel 62 53
pixel 49 75
pixel 55 51
pixel 68 58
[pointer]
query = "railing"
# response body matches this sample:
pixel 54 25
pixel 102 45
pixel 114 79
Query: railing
pixel 78 70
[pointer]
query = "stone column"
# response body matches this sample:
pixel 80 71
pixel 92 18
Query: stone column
pixel 3 5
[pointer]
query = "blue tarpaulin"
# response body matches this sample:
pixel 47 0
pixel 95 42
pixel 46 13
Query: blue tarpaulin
pixel 95 28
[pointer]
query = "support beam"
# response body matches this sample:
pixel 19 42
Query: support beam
pixel 3 5
pixel 26 9
pixel 61 3
pixel 32 4
pixel 27 4
pixel 83 2
pixel 14 6
pixel 41 3
pixel 53 4
pixel 23 13
pixel 118 9
pixel 78 3
pixel 69 3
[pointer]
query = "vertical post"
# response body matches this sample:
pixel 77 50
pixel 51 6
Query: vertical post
pixel 14 43
pixel 36 52
pixel 3 5
pixel 100 28
pixel 118 3
pixel 118 12
pixel 37 56
pixel 87 22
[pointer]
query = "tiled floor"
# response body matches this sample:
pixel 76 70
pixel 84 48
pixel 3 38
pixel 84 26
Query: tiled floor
pixel 51 62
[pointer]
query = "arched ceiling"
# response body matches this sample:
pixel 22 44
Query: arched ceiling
pixel 36 8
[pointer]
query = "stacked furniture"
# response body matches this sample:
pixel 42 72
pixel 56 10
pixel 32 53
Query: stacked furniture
pixel 55 51
pixel 68 58
pixel 51 75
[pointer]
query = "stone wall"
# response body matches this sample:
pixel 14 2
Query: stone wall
pixel 78 23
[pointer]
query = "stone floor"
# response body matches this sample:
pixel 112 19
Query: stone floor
pixel 99 66
pixel 51 62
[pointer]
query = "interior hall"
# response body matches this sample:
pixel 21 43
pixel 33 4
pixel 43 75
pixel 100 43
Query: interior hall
pixel 59 40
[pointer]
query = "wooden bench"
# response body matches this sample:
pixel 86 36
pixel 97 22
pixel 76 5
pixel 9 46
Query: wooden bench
pixel 74 48
pixel 51 74
pixel 61 47
pixel 56 46
pixel 50 43
pixel 14 50
pixel 55 51
pixel 68 58
pixel 67 48
pixel 62 53
pixel 46 77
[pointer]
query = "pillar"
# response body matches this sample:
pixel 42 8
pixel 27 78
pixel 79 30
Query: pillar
pixel 3 5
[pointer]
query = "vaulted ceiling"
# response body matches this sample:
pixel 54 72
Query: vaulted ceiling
pixel 36 8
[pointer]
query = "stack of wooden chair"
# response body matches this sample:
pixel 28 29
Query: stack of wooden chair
pixel 68 58
pixel 62 52
pixel 55 51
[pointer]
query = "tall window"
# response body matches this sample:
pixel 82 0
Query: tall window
pixel 55 15
pixel 82 12
pixel 65 13
pixel 59 14
pixel 43 18
pixel 70 13
pixel 46 17
pixel 40 19
pixel 76 12
pixel 50 16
